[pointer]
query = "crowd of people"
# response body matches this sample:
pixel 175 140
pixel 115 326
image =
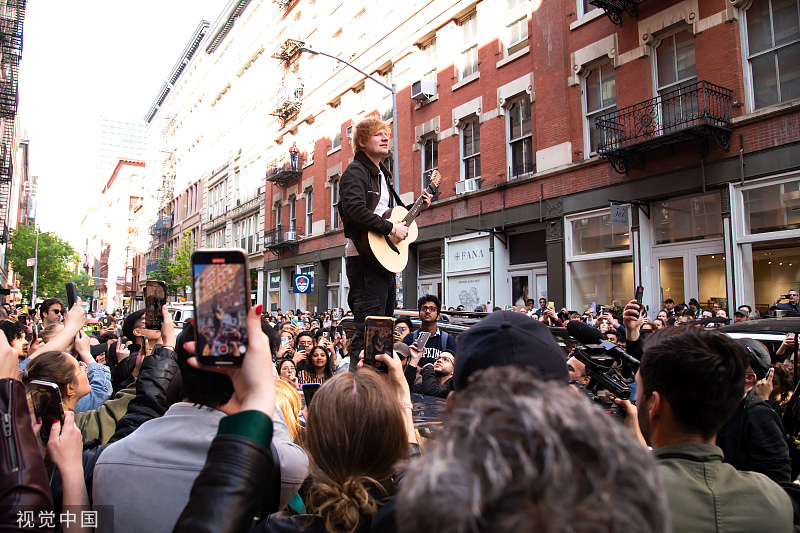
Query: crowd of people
pixel 152 441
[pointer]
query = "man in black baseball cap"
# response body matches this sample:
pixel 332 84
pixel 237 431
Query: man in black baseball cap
pixel 507 338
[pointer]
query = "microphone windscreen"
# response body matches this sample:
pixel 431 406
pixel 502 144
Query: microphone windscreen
pixel 583 332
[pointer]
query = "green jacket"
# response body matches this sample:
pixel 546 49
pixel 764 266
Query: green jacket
pixel 102 422
pixel 707 495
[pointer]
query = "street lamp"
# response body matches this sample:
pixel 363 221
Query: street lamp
pixel 393 90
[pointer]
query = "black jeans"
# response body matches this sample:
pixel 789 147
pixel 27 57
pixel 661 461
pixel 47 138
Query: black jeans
pixel 372 293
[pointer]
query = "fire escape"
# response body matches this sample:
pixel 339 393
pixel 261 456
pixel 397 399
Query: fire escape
pixel 615 8
pixel 286 102
pixel 11 49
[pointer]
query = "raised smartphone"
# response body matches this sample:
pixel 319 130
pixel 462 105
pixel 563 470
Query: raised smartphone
pixel 309 389
pixel 221 303
pixel 155 297
pixel 638 295
pixel 72 294
pixel 378 338
pixel 46 400
pixel 422 340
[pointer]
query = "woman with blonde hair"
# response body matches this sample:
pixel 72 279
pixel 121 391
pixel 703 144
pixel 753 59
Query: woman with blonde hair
pixel 289 402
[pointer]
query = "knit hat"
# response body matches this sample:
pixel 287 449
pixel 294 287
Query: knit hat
pixel 509 338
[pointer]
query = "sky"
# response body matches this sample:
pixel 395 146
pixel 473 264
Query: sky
pixel 84 60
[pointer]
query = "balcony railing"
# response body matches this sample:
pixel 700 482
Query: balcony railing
pixel 615 8
pixel 288 42
pixel 161 227
pixel 279 240
pixel 285 103
pixel 690 113
pixel 283 171
pixel 521 169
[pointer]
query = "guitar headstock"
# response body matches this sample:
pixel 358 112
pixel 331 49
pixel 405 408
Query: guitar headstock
pixel 434 183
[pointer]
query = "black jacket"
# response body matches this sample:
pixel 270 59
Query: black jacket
pixel 225 496
pixel 753 439
pixel 359 193
pixel 23 479
pixel 429 387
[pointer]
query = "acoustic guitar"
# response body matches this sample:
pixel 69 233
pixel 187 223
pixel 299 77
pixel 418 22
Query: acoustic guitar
pixel 392 253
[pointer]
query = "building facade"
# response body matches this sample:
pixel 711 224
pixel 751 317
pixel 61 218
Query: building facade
pixel 583 150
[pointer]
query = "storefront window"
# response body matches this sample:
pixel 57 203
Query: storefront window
pixel 607 282
pixel 527 247
pixel 772 208
pixel 687 219
pixel 305 299
pixel 274 291
pixel 595 234
pixel 775 270
pixel 711 280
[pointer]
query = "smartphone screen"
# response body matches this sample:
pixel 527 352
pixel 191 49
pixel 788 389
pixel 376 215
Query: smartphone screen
pixel 72 294
pixel 155 297
pixel 309 389
pixel 326 335
pixel 378 338
pixel 221 303
pixel 551 305
pixel 46 399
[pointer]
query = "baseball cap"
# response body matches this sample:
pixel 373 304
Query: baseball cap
pixel 758 356
pixel 402 350
pixel 509 338
pixel 740 312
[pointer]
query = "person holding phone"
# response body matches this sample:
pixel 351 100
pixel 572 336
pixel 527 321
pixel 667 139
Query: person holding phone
pixel 792 305
pixel 429 308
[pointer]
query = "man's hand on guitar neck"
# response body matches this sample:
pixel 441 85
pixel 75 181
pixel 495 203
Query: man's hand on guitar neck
pixel 427 197
pixel 399 231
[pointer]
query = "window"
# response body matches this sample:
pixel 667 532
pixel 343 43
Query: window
pixel 675 70
pixel 520 138
pixel 247 184
pixel 584 7
pixel 429 55
pixel 772 208
pixel 336 142
pixel 469 49
pixel 309 210
pixel 335 222
pixel 687 219
pixel 430 160
pixel 600 97
pixel 216 200
pixel 310 153
pixel 293 213
pixel 278 209
pixel 773 51
pixel 517 27
pixel 244 234
pixel 595 234
pixel 216 239
pixel 471 150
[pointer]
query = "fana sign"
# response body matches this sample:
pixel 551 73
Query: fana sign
pixel 470 254
pixel 301 283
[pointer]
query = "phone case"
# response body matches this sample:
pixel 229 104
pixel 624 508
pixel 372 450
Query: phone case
pixel 221 303
pixel 378 338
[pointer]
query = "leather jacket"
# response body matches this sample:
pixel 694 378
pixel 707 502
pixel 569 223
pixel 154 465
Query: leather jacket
pixel 23 479
pixel 360 191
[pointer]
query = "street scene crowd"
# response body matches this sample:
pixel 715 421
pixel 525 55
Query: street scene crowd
pixel 652 424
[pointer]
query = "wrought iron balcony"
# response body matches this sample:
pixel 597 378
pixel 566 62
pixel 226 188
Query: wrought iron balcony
pixel 283 172
pixel 162 226
pixel 285 103
pixel 288 42
pixel 615 8
pixel 690 113
pixel 281 239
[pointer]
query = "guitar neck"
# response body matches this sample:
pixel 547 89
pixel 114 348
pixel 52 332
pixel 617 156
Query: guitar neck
pixel 415 209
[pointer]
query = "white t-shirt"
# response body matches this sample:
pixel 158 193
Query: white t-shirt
pixel 350 249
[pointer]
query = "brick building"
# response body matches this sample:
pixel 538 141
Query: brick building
pixel 539 115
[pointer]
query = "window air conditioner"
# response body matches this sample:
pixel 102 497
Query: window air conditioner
pixel 423 89
pixel 290 236
pixel 469 185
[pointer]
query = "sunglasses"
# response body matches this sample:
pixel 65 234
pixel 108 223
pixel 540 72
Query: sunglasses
pixel 56 311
